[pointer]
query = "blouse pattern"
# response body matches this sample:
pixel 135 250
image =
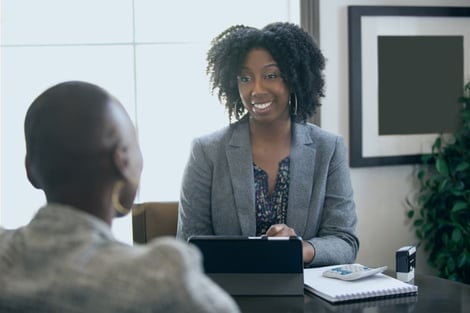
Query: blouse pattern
pixel 271 208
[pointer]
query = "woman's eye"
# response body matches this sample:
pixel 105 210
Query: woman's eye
pixel 271 76
pixel 244 79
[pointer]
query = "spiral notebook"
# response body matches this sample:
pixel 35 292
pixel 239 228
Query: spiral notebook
pixel 335 290
pixel 370 305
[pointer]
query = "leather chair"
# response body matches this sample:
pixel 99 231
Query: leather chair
pixel 154 219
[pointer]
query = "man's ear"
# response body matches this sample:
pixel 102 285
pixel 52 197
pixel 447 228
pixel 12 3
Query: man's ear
pixel 122 162
pixel 30 173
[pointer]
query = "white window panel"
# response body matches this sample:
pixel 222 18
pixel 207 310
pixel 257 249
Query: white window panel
pixel 174 106
pixel 201 20
pixel 26 22
pixel 26 72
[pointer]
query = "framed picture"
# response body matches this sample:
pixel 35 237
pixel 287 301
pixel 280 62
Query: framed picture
pixel 407 69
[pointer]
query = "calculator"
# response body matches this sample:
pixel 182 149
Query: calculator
pixel 352 271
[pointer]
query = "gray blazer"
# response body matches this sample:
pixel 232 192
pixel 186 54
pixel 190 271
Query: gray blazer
pixel 218 197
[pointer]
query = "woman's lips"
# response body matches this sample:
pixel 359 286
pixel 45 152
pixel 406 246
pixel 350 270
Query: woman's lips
pixel 261 106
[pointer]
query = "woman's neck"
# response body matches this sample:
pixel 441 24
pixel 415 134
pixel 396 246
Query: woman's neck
pixel 276 133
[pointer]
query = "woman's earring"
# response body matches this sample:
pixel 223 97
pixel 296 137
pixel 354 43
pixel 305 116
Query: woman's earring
pixel 115 198
pixel 295 103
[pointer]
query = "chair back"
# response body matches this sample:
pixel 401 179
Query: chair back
pixel 154 219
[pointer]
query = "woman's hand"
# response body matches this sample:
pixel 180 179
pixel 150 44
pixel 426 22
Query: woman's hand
pixel 282 230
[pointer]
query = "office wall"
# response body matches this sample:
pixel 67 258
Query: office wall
pixel 380 192
pixel 149 53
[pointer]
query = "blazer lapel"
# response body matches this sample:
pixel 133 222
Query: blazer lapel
pixel 241 171
pixel 301 178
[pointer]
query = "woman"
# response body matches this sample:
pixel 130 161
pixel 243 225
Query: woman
pixel 270 172
pixel 82 151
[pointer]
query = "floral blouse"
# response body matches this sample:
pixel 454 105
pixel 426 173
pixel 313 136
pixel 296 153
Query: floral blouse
pixel 271 208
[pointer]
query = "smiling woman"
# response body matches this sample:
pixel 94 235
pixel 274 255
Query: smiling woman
pixel 270 172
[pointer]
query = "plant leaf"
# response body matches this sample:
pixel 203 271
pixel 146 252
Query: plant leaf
pixel 459 206
pixel 463 259
pixel 443 185
pixel 437 144
pixel 462 167
pixel 411 213
pixel 441 166
pixel 456 236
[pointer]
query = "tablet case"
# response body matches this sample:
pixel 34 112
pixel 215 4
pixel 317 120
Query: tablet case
pixel 267 266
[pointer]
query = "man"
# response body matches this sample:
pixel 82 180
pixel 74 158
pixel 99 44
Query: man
pixel 82 151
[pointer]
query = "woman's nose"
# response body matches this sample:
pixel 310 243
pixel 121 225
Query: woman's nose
pixel 258 87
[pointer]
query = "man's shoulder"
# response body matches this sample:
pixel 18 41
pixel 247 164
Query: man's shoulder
pixel 3 232
pixel 168 252
pixel 173 269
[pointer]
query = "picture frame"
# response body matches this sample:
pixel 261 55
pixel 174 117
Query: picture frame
pixel 369 26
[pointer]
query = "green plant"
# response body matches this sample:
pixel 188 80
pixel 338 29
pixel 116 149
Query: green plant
pixel 441 215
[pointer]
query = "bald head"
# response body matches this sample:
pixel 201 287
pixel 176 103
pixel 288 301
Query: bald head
pixel 74 130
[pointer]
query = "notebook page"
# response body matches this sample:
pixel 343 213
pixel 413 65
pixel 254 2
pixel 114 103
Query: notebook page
pixel 335 290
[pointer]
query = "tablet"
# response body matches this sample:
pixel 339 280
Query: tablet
pixel 253 265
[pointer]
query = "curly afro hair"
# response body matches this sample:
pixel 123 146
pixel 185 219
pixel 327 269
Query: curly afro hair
pixel 297 55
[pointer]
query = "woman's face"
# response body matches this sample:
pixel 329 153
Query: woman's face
pixel 262 90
